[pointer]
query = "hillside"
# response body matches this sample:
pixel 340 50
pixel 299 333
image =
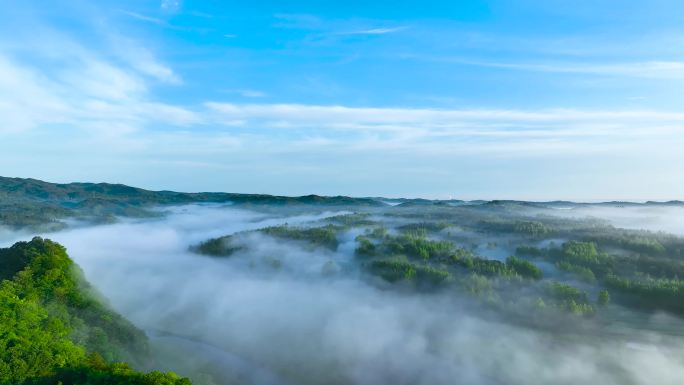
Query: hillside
pixel 38 205
pixel 42 206
pixel 55 329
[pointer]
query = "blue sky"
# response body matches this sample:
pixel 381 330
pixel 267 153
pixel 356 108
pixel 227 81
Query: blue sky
pixel 523 99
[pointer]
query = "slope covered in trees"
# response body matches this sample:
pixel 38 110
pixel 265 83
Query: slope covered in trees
pixel 54 328
pixel 36 204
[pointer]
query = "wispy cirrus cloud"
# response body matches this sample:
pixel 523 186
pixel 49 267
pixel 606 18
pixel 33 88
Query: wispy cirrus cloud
pixel 335 27
pixel 653 69
pixel 441 122
pixel 247 93
pixel 648 69
pixel 162 22
pixel 145 18
pixel 85 90
pixel 143 60
pixel 376 31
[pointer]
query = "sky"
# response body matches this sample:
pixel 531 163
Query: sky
pixel 528 99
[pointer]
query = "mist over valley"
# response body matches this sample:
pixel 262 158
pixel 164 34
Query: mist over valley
pixel 501 292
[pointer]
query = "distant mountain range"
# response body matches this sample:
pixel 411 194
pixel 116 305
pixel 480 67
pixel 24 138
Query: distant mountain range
pixel 37 204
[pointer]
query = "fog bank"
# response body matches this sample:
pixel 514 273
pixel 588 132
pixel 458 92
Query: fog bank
pixel 245 319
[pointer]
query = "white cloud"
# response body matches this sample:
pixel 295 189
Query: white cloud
pixel 647 69
pixel 653 69
pixel 429 134
pixel 332 27
pixel 142 60
pixel 93 78
pixel 146 18
pixel 248 93
pixel 50 78
pixel 438 122
pixel 171 5
pixel 377 31
pixel 84 93
pixel 28 98
pixel 158 71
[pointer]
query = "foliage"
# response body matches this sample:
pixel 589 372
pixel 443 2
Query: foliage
pixel 523 268
pixel 529 251
pixel 95 371
pixel 582 272
pixel 641 243
pixel 325 236
pixel 41 217
pixel 50 317
pixel 650 293
pixel 217 247
pixel 352 220
pixel 481 266
pixel 32 342
pixel 563 291
pixel 377 233
pixel 424 227
pixel 569 298
pixel 533 229
pixel 396 269
pixel 30 203
pixel 477 285
pixel 418 246
pixel 393 270
pixel 584 254
pixel 366 247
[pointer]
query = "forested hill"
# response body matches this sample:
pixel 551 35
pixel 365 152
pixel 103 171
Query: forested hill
pixel 55 330
pixel 42 205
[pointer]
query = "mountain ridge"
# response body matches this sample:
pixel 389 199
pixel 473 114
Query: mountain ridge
pixel 40 205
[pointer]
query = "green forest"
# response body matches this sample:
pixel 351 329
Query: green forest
pixel 55 329
pixel 589 263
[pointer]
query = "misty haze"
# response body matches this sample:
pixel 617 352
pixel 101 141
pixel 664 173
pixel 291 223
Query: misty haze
pixel 241 289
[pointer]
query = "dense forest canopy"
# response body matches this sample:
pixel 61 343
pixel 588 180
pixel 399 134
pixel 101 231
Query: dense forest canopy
pixel 55 329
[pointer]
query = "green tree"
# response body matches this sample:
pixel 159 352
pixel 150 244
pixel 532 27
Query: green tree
pixel 50 318
pixel 603 298
pixel 525 269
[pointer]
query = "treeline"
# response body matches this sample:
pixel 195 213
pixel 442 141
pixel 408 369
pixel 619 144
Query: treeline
pixel 352 220
pixel 535 229
pixel 638 281
pixel 217 247
pixel 513 285
pixel 411 257
pixel 325 236
pixel 227 245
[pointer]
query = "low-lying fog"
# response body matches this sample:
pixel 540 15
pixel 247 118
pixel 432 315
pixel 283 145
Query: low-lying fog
pixel 307 320
pixel 669 219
